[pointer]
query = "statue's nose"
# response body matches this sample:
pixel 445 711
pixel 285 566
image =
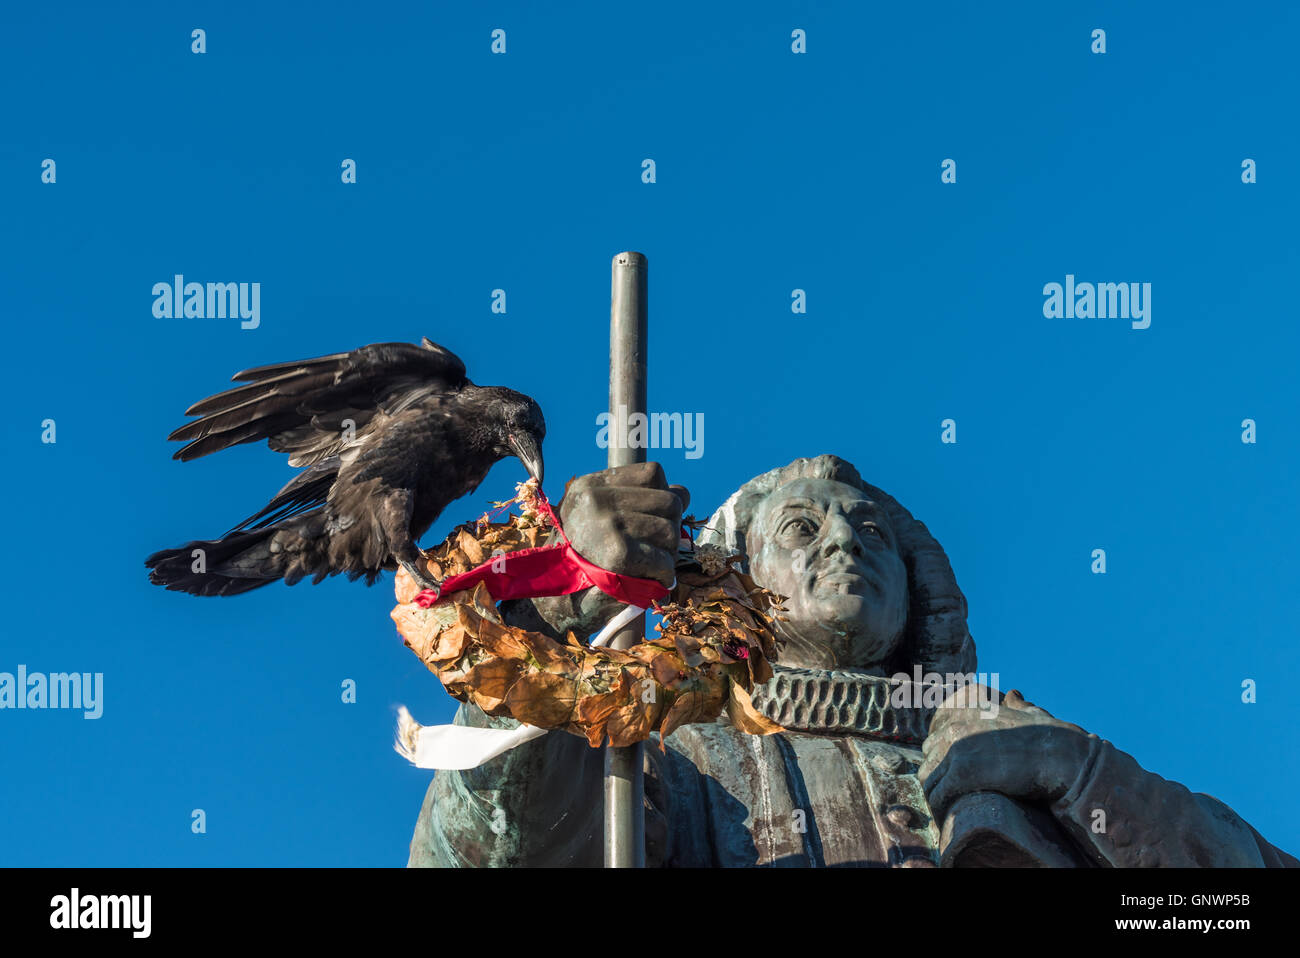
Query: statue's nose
pixel 840 537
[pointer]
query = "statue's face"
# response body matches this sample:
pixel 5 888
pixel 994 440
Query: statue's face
pixel 830 550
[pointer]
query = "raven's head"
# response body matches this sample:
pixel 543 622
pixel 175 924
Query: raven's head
pixel 519 429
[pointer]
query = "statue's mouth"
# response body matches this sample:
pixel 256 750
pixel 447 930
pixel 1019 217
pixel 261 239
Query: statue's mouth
pixel 840 582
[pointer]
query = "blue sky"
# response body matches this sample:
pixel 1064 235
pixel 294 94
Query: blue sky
pixel 522 172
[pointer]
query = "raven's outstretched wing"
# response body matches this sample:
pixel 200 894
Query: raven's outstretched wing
pixel 300 407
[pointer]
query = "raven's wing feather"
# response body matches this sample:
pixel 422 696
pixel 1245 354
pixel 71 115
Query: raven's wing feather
pixel 304 492
pixel 300 407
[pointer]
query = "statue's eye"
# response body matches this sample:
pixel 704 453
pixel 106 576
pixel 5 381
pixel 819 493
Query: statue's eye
pixel 801 525
pixel 871 529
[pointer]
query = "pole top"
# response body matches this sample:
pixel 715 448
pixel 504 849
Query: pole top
pixel 630 259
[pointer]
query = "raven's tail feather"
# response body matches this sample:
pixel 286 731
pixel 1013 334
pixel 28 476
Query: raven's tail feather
pixel 246 560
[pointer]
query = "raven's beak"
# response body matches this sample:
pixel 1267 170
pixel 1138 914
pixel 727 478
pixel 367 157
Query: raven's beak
pixel 529 453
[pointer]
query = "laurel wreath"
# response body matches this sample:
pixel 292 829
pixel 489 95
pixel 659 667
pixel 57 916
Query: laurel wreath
pixel 716 640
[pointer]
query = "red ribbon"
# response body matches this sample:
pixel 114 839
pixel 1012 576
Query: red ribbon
pixel 545 571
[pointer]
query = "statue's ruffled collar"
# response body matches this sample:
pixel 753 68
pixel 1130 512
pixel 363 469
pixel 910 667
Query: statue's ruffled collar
pixel 839 702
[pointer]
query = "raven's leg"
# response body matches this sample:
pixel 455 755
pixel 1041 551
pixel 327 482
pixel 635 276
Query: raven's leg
pixel 395 520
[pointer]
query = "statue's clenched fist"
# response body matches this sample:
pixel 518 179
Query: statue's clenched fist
pixel 626 519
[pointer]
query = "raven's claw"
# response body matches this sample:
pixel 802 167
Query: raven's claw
pixel 422 578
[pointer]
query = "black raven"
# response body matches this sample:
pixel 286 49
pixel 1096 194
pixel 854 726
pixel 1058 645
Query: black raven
pixel 390 434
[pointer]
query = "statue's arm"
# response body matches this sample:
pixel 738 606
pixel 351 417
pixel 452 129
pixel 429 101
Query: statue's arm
pixel 1124 816
pixel 538 804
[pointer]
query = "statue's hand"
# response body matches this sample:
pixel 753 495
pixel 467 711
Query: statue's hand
pixel 626 519
pixel 1021 752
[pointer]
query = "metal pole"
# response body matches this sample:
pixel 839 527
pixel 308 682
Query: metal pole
pixel 624 772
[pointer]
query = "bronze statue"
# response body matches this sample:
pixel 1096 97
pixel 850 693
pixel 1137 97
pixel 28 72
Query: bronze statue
pixel 863 775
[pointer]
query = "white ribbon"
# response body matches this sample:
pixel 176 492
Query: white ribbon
pixel 456 747
pixel 461 747
pixel 629 613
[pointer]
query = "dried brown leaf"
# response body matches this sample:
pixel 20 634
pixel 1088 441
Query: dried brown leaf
pixel 699 702
pixel 543 699
pixel 469 545
pixel 490 682
pixel 743 715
